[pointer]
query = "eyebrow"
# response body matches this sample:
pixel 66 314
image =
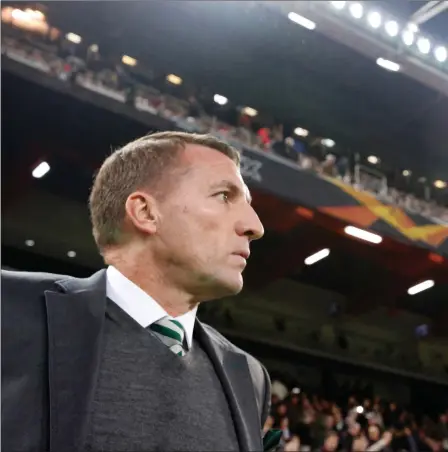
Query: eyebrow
pixel 231 186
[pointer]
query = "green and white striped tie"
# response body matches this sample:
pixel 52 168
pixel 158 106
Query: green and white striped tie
pixel 171 333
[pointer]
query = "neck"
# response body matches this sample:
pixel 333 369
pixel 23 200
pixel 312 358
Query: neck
pixel 173 299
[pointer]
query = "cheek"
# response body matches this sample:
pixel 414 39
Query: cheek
pixel 192 230
pixel 203 221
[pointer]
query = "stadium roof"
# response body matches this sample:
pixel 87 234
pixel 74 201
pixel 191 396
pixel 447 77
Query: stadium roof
pixel 252 54
pixel 435 25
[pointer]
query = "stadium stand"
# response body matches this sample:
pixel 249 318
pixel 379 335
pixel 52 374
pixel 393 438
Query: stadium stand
pixel 118 83
pixel 310 421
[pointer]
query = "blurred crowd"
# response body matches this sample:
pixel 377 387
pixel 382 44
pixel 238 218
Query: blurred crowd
pixel 195 112
pixel 311 423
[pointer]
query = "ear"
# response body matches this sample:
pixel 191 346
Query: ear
pixel 141 210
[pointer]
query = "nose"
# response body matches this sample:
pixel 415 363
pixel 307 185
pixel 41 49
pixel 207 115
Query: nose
pixel 250 224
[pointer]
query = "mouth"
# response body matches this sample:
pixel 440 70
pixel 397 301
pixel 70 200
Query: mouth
pixel 244 254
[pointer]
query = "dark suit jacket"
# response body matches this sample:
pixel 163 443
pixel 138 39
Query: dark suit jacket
pixel 51 336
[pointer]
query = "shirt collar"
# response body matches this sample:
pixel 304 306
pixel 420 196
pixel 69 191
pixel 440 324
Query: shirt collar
pixel 141 306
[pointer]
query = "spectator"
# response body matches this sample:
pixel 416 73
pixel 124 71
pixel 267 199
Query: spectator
pixel 375 416
pixel 373 434
pixel 279 392
pixel 264 137
pixel 328 166
pixel 380 444
pixel 293 445
pixel 280 413
pixel 268 424
pixel 442 427
pixel 321 428
pixel 391 415
pixel 342 168
pixel 284 427
pixel 297 150
pixel 331 442
pixel 353 432
pixel 359 443
pixel 195 109
pixel 293 407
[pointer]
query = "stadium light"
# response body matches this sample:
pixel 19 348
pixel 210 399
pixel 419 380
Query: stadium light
pixel 72 37
pixel 356 10
pixel 220 100
pixel 28 15
pixel 302 21
pixel 413 28
pixel 425 285
pixel 35 14
pixel 18 14
pixel 374 19
pixel 373 159
pixel 316 257
pixel 327 142
pixel 174 79
pixel 363 235
pixel 301 132
pixel 249 111
pixel 41 170
pixel 71 254
pixel 440 53
pixel 440 184
pixel 126 59
pixel 406 173
pixel 29 242
pixel 387 64
pixel 424 45
pixel 339 5
pixel 408 37
pixel 391 28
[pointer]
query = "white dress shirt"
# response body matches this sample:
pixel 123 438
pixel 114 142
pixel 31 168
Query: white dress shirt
pixel 140 306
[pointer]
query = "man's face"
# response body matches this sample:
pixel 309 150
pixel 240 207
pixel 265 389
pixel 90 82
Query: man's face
pixel 374 433
pixel 331 443
pixel 329 422
pixel 282 409
pixel 354 429
pixel 206 224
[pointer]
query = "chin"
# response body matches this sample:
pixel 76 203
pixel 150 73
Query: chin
pixel 227 286
pixel 234 285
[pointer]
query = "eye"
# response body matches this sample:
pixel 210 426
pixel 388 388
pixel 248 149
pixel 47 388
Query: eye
pixel 224 196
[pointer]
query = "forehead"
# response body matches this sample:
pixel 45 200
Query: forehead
pixel 211 165
pixel 203 156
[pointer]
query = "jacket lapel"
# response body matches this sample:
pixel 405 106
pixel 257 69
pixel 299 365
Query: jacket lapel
pixel 75 318
pixel 233 371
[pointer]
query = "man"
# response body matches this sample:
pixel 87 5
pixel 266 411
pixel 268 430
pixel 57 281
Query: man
pixel 117 361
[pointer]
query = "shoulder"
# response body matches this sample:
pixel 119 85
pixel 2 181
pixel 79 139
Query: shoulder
pixel 25 280
pixel 23 309
pixel 24 287
pixel 258 373
pixel 225 343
